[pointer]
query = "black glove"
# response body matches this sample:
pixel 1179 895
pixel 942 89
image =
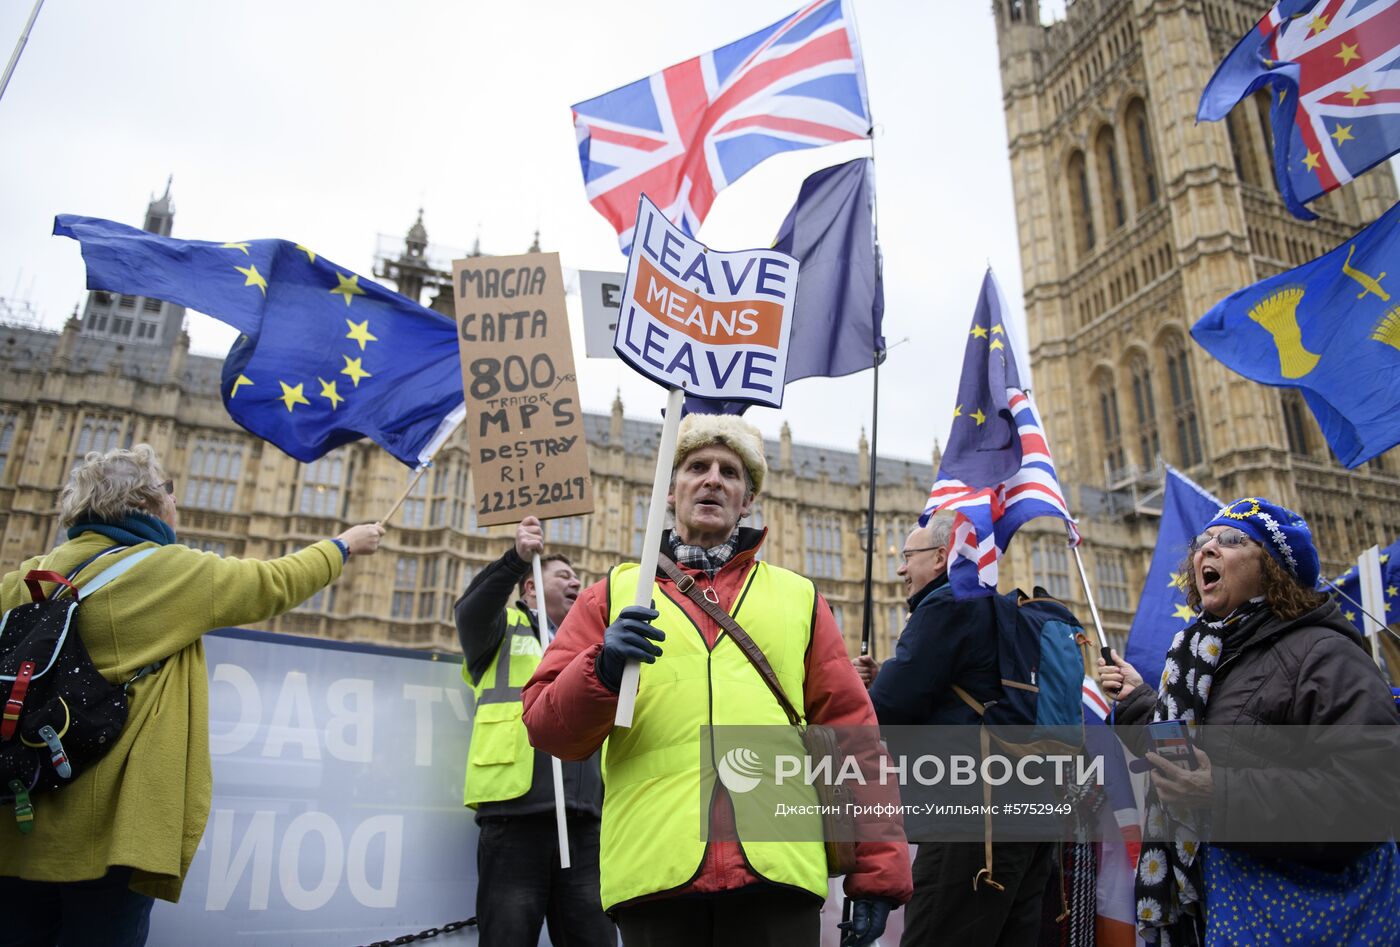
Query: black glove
pixel 628 639
pixel 868 917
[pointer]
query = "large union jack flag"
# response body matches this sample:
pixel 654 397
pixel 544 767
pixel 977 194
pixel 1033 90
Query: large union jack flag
pixel 1333 68
pixel 997 472
pixel 682 135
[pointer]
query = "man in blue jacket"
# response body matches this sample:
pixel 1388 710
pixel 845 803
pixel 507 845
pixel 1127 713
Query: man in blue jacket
pixel 948 641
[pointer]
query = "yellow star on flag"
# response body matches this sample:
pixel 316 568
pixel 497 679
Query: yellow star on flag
pixel 1348 53
pixel 1385 558
pixel 979 417
pixel 1318 24
pixel 237 246
pixel 996 344
pixel 291 395
pixel 1183 612
pixel 1282 95
pixel 359 331
pixel 329 393
pixel 978 332
pixel 310 254
pixel 239 382
pixel 1391 591
pixel 996 329
pixel 1350 616
pixel 353 369
pixel 1358 94
pixel 957 411
pixel 1174 580
pixel 254 277
pixel 1342 133
pixel 349 286
pixel 1312 160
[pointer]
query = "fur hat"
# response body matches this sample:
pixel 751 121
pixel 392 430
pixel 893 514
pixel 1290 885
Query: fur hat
pixel 1283 533
pixel 702 430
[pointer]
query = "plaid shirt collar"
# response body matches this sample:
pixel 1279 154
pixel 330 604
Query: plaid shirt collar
pixel 709 560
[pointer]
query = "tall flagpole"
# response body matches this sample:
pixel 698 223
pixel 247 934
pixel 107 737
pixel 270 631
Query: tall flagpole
pixel 19 47
pixel 865 629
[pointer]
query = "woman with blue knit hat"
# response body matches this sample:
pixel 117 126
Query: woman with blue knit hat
pixel 1266 649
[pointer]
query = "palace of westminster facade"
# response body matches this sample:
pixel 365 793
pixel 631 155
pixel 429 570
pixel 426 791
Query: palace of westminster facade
pixel 1133 222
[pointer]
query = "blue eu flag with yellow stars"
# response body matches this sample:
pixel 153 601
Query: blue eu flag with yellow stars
pixel 1162 609
pixel 324 358
pixel 1348 585
pixel 1331 329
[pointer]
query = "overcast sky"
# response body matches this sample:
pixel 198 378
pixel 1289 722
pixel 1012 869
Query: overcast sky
pixel 330 123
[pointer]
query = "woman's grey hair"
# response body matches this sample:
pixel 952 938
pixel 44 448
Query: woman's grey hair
pixel 106 487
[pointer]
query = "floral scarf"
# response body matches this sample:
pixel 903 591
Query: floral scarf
pixel 1169 878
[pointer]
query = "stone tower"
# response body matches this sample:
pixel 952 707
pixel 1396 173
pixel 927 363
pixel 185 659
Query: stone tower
pixel 1134 221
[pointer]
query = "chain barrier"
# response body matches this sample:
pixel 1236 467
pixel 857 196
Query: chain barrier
pixel 424 935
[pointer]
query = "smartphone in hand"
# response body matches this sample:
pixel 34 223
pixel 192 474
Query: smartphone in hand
pixel 1172 742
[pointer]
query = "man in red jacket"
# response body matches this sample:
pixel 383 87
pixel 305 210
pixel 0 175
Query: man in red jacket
pixel 660 880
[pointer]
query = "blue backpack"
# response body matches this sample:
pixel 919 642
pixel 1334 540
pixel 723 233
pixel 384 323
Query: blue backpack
pixel 1040 665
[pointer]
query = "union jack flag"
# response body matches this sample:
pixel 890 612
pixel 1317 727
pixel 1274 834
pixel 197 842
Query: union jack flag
pixel 997 472
pixel 682 135
pixel 1333 67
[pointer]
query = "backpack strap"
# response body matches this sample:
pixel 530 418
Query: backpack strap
pixel 115 569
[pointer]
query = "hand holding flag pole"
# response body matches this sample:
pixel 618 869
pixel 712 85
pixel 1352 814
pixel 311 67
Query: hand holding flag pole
pixel 547 636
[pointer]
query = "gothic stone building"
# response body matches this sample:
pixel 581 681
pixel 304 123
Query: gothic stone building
pixel 105 381
pixel 1134 221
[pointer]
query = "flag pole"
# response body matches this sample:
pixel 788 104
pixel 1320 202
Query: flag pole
pixel 422 468
pixel 19 47
pixel 1088 592
pixel 865 628
pixel 546 636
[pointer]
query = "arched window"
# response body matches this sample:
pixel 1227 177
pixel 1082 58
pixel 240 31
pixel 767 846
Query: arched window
pixel 1110 182
pixel 1188 434
pixel 1081 203
pixel 1144 412
pixel 1109 427
pixel 1242 144
pixel 1295 421
pixel 1140 154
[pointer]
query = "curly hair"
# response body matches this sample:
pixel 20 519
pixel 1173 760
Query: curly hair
pixel 1282 593
pixel 106 487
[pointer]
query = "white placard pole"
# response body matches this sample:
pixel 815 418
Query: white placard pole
pixel 651 546
pixel 546 636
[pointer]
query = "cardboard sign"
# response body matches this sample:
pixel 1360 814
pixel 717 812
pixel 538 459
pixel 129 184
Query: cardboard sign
pixel 601 295
pixel 524 423
pixel 715 324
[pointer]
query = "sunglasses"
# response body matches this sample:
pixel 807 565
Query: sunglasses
pixel 1225 539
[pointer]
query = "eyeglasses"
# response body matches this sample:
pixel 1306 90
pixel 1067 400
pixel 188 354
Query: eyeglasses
pixel 910 552
pixel 168 487
pixel 1226 539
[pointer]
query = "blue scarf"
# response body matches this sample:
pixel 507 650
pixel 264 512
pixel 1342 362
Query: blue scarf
pixel 131 530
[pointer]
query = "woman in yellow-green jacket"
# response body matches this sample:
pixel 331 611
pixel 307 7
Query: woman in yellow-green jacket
pixel 124 831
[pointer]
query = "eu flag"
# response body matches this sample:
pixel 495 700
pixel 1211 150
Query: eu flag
pixel 1331 329
pixel 324 358
pixel 1348 584
pixel 1162 610
pixel 1331 69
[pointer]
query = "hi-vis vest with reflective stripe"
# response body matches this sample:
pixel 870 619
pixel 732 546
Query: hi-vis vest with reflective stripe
pixel 657 790
pixel 500 760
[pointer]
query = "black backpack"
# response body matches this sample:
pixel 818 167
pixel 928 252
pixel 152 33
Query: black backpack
pixel 59 714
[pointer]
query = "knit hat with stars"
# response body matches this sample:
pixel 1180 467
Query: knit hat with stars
pixel 1279 530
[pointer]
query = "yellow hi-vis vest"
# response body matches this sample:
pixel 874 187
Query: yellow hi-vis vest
pixel 658 796
pixel 500 760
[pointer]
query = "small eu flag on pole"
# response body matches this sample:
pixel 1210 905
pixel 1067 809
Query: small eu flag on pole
pixel 325 357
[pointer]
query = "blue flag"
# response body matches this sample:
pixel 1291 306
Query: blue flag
pixel 840 303
pixel 1349 584
pixel 997 473
pixel 1331 70
pixel 1162 609
pixel 324 358
pixel 1331 329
